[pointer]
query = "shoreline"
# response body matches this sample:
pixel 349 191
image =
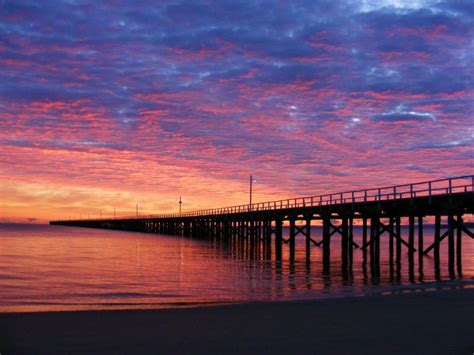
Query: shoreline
pixel 435 286
pixel 414 322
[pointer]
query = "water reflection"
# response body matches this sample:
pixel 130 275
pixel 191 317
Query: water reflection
pixel 63 268
pixel 386 264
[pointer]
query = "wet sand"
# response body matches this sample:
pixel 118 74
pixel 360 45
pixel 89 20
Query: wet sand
pixel 439 322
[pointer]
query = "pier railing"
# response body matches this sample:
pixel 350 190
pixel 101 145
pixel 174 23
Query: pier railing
pixel 427 189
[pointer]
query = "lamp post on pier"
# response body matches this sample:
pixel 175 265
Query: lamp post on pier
pixel 252 180
pixel 180 202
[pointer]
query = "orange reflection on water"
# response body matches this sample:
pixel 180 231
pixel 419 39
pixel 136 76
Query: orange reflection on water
pixel 52 268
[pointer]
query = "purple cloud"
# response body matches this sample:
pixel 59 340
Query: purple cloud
pixel 311 95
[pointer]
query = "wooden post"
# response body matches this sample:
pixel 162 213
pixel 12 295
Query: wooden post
pixel 411 246
pixel 459 244
pixel 292 239
pixel 232 231
pixel 420 245
pixel 351 241
pixel 411 238
pixel 344 242
pixel 451 244
pixel 398 233
pixel 437 237
pixel 372 250
pixel 242 239
pixel 308 237
pixel 278 238
pixel 252 238
pixel 390 241
pixel 267 232
pixel 326 245
pixel 377 246
pixel 268 241
pixel 364 239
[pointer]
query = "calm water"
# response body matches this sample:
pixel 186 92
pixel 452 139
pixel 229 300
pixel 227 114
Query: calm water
pixel 45 268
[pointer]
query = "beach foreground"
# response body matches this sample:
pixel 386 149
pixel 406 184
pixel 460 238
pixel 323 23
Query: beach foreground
pixel 437 322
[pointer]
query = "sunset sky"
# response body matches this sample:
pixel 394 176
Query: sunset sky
pixel 106 104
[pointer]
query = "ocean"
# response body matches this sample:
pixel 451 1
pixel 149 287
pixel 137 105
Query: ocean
pixel 56 268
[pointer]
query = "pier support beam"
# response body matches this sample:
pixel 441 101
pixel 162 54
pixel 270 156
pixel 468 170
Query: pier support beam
pixel 292 239
pixel 459 244
pixel 326 245
pixel 278 238
pixel 364 239
pixel 344 243
pixel 420 245
pixel 451 226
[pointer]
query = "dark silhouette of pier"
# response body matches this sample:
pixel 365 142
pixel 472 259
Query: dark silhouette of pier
pixel 380 212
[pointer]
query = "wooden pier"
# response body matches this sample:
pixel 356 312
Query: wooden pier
pixel 380 212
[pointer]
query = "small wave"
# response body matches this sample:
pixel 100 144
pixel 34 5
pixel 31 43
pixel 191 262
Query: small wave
pixel 126 295
pixel 428 286
pixel 193 303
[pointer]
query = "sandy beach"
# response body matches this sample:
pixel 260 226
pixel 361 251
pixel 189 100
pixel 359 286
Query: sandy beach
pixel 437 322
